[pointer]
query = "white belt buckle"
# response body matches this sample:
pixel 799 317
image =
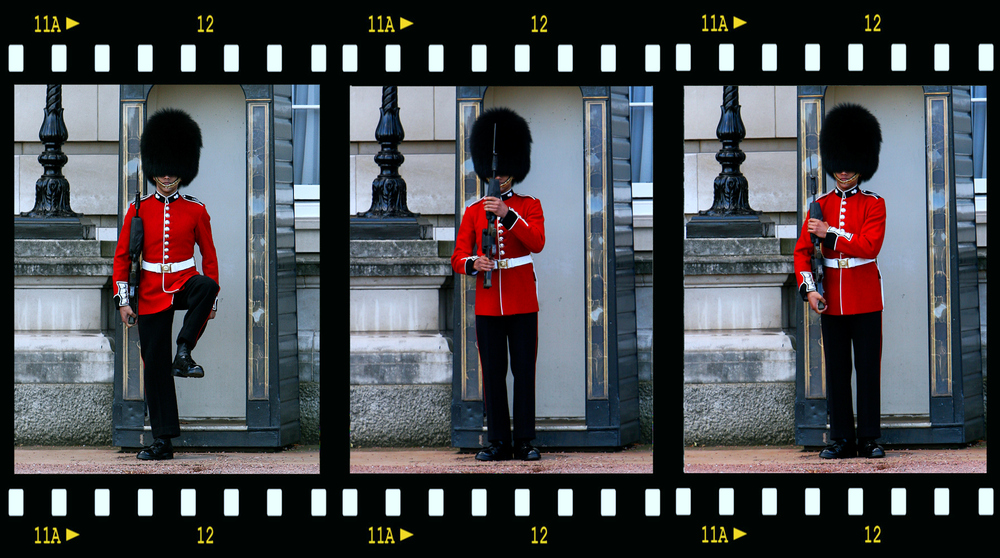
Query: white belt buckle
pixel 165 267
pixel 502 264
pixel 843 262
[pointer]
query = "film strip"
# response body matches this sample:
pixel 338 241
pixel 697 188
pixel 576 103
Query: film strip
pixel 363 47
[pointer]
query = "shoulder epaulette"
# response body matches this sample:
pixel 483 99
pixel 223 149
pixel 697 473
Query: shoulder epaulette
pixel 192 199
pixel 142 199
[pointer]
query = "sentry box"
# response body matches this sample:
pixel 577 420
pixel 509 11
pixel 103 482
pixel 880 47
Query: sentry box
pixel 249 395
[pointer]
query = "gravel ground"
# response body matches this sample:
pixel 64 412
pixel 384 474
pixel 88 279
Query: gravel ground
pixel 639 459
pixel 449 460
pixel 797 460
pixel 772 459
pixel 97 460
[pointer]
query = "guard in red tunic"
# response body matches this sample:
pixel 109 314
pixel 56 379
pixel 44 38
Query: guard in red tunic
pixel 507 311
pixel 173 223
pixel 851 233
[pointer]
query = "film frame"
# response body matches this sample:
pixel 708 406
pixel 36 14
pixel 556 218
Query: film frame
pixel 374 511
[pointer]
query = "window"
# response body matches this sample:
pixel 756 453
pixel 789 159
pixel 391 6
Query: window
pixel 305 154
pixel 641 121
pixel 979 144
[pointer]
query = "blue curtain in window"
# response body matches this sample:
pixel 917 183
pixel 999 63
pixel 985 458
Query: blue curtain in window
pixel 642 134
pixel 305 134
pixel 979 131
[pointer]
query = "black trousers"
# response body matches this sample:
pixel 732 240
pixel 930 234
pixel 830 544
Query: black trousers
pixel 496 336
pixel 863 333
pixel 156 349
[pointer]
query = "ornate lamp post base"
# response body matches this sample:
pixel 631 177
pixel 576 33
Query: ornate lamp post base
pixel 389 228
pixel 70 228
pixel 730 214
pixel 388 217
pixel 730 226
pixel 52 217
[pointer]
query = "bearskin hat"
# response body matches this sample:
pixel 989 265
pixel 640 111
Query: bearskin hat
pixel 170 146
pixel 850 141
pixel 513 144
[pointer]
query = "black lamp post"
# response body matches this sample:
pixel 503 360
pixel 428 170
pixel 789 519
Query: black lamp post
pixel 730 214
pixel 52 217
pixel 388 217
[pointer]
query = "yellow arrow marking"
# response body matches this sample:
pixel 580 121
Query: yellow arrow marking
pixel 737 22
pixel 71 23
pixel 404 534
pixel 404 23
pixel 737 533
pixel 71 534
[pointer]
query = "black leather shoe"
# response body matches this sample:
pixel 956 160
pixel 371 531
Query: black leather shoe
pixel 839 449
pixel 496 452
pixel 871 449
pixel 161 449
pixel 185 366
pixel 525 452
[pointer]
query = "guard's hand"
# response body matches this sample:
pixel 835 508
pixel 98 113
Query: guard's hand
pixel 126 312
pixel 482 263
pixel 495 205
pixel 211 315
pixel 814 299
pixel 818 227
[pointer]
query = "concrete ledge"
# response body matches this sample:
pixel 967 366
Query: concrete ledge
pixel 62 414
pixel 400 415
pixel 398 258
pixel 62 358
pixel 739 414
pixel 400 359
pixel 80 414
pixel 309 407
pixel 738 356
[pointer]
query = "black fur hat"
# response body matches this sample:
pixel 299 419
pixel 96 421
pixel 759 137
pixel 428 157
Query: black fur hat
pixel 513 144
pixel 850 141
pixel 170 146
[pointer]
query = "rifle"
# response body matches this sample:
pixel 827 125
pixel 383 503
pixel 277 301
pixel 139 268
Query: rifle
pixel 135 241
pixel 815 212
pixel 490 232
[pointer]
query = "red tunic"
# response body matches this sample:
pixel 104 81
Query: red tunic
pixel 172 227
pixel 521 233
pixel 857 221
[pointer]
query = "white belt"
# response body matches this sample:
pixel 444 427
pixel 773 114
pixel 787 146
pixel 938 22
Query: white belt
pixel 168 267
pixel 846 262
pixel 512 262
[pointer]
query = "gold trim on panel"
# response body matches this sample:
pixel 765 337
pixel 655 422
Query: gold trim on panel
pixel 810 166
pixel 132 114
pixel 939 250
pixel 258 257
pixel 595 165
pixel 472 389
